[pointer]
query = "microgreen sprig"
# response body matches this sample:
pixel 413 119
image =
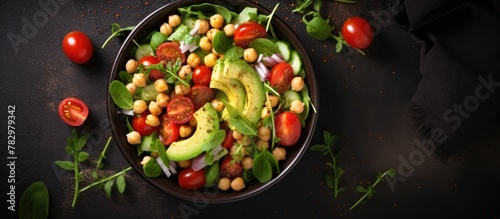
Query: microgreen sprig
pixel 368 191
pixel 116 30
pixel 332 181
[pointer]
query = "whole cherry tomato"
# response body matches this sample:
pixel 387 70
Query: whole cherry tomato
pixel 77 47
pixel 357 32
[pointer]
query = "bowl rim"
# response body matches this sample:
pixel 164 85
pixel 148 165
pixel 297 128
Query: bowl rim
pixel 208 196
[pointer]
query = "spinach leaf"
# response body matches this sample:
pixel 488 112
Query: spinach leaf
pixel 198 11
pixel 157 39
pixel 34 202
pixel 263 165
pixel 120 95
pixel 247 14
pixel 234 52
pixel 239 122
pixel 152 168
pixel 265 46
pixel 221 42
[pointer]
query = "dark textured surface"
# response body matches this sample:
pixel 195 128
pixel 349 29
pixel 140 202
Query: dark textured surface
pixel 364 100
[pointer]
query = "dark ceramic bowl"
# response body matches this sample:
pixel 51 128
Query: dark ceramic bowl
pixel 169 185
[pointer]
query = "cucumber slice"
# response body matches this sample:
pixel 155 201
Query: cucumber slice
pixel 284 49
pixel 146 142
pixel 290 96
pixel 143 50
pixel 147 93
pixel 295 62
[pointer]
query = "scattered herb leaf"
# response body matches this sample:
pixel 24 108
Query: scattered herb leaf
pixel 34 202
pixel 116 30
pixel 368 191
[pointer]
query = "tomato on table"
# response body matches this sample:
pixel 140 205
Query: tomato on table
pixel 170 52
pixel 202 75
pixel 73 111
pixel 281 76
pixel 230 168
pixel 149 60
pixel 357 32
pixel 201 94
pixel 77 47
pixel 139 124
pixel 247 32
pixel 180 109
pixel 190 179
pixel 169 131
pixel 288 128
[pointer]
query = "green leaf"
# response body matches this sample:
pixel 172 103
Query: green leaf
pixel 82 156
pixel 317 27
pixel 264 46
pixel 319 148
pixel 216 138
pixel 329 182
pixel 108 186
pixel 156 39
pixel 247 14
pixel 234 52
pixel 152 168
pixel 121 184
pixel 239 122
pixel 158 145
pixel 67 165
pixel 179 34
pixel 200 10
pixel 34 203
pixel 221 42
pixel 338 46
pixel 120 95
pixel 116 30
pixel 361 189
pixel 261 167
pixel 69 150
pixel 212 175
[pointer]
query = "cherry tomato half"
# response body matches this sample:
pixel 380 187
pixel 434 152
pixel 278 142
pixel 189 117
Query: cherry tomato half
pixel 228 139
pixel 77 47
pixel 201 94
pixel 170 52
pixel 139 124
pixel 180 109
pixel 281 76
pixel 357 32
pixel 151 60
pixel 202 75
pixel 190 179
pixel 287 128
pixel 230 169
pixel 73 111
pixel 169 131
pixel 247 32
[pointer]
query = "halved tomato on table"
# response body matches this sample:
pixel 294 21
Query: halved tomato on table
pixel 73 111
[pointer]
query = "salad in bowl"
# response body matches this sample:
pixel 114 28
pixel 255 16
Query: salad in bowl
pixel 212 97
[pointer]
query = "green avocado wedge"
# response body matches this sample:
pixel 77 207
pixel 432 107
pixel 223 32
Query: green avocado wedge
pixel 207 125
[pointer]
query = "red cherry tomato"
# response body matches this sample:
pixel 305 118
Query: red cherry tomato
pixel 201 94
pixel 73 111
pixel 169 131
pixel 357 32
pixel 230 169
pixel 190 179
pixel 180 109
pixel 202 75
pixel 228 139
pixel 281 76
pixel 77 47
pixel 247 32
pixel 151 60
pixel 169 52
pixel 287 128
pixel 139 124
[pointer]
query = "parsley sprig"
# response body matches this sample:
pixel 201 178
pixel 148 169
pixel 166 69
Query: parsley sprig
pixel 369 191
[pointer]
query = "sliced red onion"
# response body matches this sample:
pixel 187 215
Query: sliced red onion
pixel 260 57
pixel 199 162
pixel 173 166
pixel 278 58
pixel 127 112
pixel 269 61
pixel 194 31
pixel 185 47
pixel 163 166
pixel 193 48
pixel 263 71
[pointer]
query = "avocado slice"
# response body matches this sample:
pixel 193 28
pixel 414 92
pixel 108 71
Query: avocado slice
pixel 207 125
pixel 235 92
pixel 240 70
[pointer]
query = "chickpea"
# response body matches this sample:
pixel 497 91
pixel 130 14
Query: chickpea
pixel 131 66
pixel 185 131
pixel 174 20
pixel 264 133
pixel 274 100
pixel 218 105
pixel 184 163
pixel 297 106
pixel 193 122
pixel 245 141
pixel 237 135
pixel 162 99
pixel 134 138
pixel 210 60
pixel 262 145
pixel 203 26
pixel 205 44
pixel 279 153
pixel 193 60
pixel 211 33
pixel 154 108
pixel 237 152
pixel 229 29
pixel 224 184
pixel 185 71
pixel 265 112
pixel 237 184
pixel 152 120
pixel 250 55
pixel 297 83
pixel 145 160
pixel 216 21
pixel 131 88
pixel 247 163
pixel 139 106
pixel 166 29
pixel 182 89
pixel 139 80
pixel 161 85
